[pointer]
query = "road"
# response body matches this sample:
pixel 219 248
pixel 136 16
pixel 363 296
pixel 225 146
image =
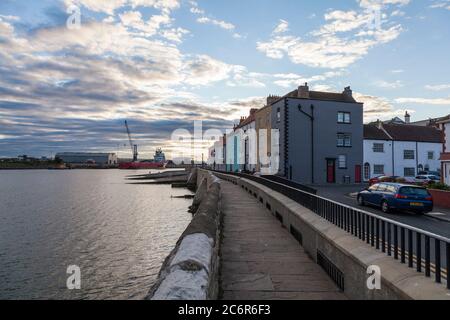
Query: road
pixel 342 194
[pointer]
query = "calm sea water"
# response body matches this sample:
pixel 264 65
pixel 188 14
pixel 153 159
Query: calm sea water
pixel 117 233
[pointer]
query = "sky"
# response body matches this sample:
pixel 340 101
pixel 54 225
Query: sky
pixel 72 71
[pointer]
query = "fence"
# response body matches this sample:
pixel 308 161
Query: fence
pixel 428 253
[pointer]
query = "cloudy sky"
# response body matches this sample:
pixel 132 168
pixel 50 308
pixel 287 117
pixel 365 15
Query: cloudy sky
pixel 162 64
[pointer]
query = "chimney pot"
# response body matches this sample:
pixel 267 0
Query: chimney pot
pixel 407 118
pixel 348 92
pixel 303 91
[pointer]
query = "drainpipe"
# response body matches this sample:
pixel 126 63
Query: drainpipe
pixel 393 161
pixel 417 157
pixel 311 117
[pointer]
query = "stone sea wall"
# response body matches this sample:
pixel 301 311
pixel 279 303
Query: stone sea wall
pixel 191 271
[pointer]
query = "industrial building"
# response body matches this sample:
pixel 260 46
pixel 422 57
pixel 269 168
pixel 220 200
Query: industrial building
pixel 106 159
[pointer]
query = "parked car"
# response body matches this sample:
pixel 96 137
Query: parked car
pixel 433 173
pixel 397 196
pixel 427 179
pixel 383 179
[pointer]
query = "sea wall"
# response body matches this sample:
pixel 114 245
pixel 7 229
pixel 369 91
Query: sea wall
pixel 191 271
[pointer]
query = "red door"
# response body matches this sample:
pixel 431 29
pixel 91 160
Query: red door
pixel 358 174
pixel 331 171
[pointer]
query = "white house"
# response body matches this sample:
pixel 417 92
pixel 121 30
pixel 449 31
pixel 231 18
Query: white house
pixel 241 145
pixel 400 150
pixel 444 125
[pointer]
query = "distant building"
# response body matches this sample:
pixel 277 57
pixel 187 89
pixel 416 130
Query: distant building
pixel 241 150
pixel 88 158
pixel 321 136
pixel 400 149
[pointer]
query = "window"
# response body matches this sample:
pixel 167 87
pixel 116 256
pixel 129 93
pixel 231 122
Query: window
pixel 409 172
pixel 378 147
pixel 366 171
pixel 344 117
pixel 408 155
pixel 430 155
pixel 278 115
pixel 342 162
pixel 344 140
pixel 378 169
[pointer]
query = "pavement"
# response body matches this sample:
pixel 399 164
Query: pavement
pixel 437 222
pixel 260 260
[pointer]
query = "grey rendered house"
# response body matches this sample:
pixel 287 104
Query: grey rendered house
pixel 321 136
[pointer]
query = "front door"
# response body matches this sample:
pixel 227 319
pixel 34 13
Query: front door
pixel 331 170
pixel 358 174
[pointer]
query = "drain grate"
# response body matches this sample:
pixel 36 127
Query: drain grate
pixel 335 274
pixel 279 216
pixel 297 235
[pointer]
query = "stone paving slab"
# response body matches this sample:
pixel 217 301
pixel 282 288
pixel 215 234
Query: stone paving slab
pixel 260 260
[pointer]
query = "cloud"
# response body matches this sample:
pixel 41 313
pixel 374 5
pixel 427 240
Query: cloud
pixel 110 6
pixel 429 101
pixel 220 23
pixel 282 27
pixel 378 107
pixel 438 87
pixel 293 80
pixel 389 85
pixel 346 37
pixel 441 4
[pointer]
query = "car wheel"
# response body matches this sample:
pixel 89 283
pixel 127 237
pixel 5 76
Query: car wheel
pixel 385 207
pixel 361 201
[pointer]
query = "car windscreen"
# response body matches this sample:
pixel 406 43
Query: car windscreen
pixel 413 191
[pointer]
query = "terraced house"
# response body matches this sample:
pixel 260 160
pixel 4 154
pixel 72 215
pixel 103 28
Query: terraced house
pixel 400 149
pixel 321 136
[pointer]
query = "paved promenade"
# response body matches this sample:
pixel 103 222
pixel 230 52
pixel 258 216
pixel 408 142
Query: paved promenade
pixel 261 260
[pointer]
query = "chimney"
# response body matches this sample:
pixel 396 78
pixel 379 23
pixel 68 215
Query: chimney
pixel 303 91
pixel 379 124
pixel 271 99
pixel 348 92
pixel 407 118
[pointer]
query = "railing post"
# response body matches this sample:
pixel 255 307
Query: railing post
pixel 410 249
pixel 402 244
pixel 437 258
pixel 372 231
pixel 389 244
pixel 383 236
pixel 447 254
pixel 378 234
pixel 419 252
pixel 427 257
pixel 395 242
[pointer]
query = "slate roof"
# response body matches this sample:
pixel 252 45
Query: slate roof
pixel 323 96
pixel 403 132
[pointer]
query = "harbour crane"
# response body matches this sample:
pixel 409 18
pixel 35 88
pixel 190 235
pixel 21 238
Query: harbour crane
pixel 134 147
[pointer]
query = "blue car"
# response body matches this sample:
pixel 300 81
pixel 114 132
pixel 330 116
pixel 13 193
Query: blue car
pixel 395 196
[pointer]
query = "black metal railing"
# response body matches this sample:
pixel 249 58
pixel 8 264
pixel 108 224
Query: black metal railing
pixel 427 252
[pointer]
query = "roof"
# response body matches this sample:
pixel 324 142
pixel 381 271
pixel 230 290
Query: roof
pixel 323 96
pixel 372 132
pixel 403 132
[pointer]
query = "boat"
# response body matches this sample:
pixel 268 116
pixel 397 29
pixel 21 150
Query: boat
pixel 159 162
